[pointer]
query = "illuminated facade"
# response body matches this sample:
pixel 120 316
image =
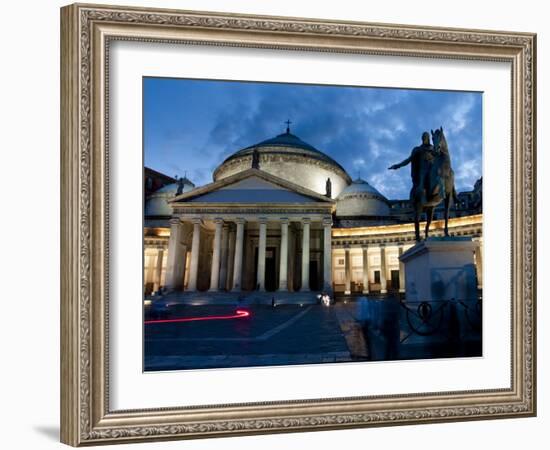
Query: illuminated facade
pixel 281 212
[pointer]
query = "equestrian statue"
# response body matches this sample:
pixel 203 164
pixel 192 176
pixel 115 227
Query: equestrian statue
pixel 432 179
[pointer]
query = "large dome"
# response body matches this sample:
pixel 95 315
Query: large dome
pixel 288 157
pixel 361 199
pixel 157 203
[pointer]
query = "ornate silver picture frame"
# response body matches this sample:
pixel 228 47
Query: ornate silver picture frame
pixel 87 32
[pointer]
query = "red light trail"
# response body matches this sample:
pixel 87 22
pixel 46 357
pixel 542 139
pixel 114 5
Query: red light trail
pixel 239 314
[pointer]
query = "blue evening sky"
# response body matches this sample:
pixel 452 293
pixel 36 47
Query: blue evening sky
pixel 191 126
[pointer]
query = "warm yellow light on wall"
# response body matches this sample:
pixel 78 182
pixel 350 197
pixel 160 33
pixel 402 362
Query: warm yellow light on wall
pixel 157 232
pixel 455 222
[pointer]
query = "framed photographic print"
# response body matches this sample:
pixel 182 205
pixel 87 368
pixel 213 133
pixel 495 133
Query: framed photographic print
pixel 279 224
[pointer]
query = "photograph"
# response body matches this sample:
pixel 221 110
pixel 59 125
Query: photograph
pixel 288 223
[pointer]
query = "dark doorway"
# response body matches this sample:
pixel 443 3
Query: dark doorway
pixel 377 277
pixel 395 280
pixel 270 269
pixel 313 276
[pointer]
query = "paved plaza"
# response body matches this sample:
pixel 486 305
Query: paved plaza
pixel 218 336
pixel 287 334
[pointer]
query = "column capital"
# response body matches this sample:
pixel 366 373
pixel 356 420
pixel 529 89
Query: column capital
pixel 306 220
pixel 382 245
pixel 284 220
pixel 240 220
pixel 218 220
pixel 347 247
pixel 327 221
pixel 175 221
pixel 196 221
pixel 262 220
pixel 365 246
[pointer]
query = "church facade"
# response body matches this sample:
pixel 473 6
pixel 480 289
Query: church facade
pixel 282 216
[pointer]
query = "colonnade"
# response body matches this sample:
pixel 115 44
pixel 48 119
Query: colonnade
pixel 153 270
pixel 228 248
pixel 386 268
pixel 382 249
pixel 228 254
pixel 478 258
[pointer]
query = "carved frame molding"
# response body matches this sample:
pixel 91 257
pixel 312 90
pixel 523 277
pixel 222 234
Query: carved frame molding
pixel 86 32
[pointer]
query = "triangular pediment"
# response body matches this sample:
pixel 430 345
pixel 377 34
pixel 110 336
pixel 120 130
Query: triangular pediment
pixel 251 187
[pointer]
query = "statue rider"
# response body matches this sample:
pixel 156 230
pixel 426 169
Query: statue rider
pixel 421 158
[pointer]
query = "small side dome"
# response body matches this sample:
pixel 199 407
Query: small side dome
pixel 361 199
pixel 157 203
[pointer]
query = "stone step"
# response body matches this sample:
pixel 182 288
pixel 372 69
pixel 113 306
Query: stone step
pixel 243 298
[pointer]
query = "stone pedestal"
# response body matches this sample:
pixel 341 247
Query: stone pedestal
pixel 440 269
pixel 441 302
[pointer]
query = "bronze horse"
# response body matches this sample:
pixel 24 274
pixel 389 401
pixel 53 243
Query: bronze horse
pixel 437 184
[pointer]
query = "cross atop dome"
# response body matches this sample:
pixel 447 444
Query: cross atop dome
pixel 288 122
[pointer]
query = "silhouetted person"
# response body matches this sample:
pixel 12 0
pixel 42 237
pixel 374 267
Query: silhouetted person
pixel 390 328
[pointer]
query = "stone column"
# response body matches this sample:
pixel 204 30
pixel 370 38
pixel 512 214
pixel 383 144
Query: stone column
pixel 292 258
pixel 366 269
pixel 176 256
pixel 230 259
pixel 383 280
pixel 195 249
pixel 479 264
pixel 283 262
pixel 401 269
pixel 225 251
pixel 216 254
pixel 305 255
pixel 158 271
pixel 327 254
pixel 260 279
pixel 150 273
pixel 347 271
pixel 238 262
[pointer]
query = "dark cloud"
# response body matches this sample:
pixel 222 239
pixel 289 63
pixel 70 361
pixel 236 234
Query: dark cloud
pixel 193 125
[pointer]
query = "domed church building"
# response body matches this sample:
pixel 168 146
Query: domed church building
pixel 282 220
pixel 288 157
